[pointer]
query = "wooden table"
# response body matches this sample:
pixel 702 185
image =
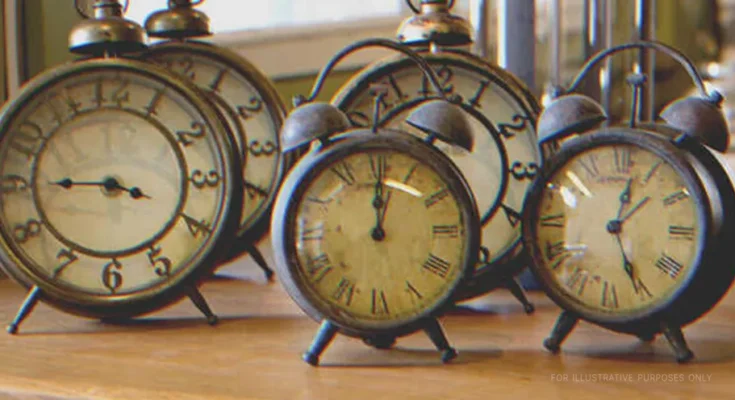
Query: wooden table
pixel 254 353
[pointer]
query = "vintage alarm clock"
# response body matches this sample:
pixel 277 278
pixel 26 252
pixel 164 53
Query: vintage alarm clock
pixel 629 225
pixel 246 97
pixel 119 181
pixel 374 229
pixel 502 114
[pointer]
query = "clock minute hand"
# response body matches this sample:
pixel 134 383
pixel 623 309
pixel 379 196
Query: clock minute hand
pixel 635 208
pixel 627 265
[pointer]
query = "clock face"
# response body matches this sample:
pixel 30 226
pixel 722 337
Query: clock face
pixel 617 230
pixel 505 158
pixel 112 183
pixel 251 108
pixel 379 238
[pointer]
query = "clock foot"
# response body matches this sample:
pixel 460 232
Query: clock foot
pixel 324 336
pixel 514 285
pixel 647 337
pixel 435 332
pixel 380 342
pixel 564 326
pixel 25 309
pixel 678 343
pixel 260 260
pixel 196 297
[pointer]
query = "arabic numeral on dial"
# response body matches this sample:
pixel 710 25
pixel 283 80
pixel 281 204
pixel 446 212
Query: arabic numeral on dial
pixel 258 149
pixel 13 184
pixel 254 191
pixel 27 231
pixel 521 171
pixel 111 276
pixel 161 265
pixel 200 180
pixel 247 112
pixel 198 131
pixel 510 130
pixel 445 75
pixel 196 227
pixel 26 139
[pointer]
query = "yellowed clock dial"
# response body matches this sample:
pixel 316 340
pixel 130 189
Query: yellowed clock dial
pixel 379 254
pixel 618 229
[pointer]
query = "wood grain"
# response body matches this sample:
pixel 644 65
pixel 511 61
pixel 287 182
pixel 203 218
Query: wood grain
pixel 254 353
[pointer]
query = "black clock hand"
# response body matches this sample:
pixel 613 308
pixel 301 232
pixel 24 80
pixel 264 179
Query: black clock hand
pixel 109 184
pixel 378 233
pixel 627 265
pixel 636 208
pixel 624 197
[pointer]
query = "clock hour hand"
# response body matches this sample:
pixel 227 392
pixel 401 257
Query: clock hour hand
pixel 109 184
pixel 378 233
pixel 625 197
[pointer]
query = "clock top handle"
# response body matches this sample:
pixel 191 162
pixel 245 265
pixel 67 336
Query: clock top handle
pixel 362 44
pixel 85 15
pixel 715 96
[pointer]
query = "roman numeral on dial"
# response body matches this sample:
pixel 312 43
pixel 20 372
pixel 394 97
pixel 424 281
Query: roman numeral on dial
pixel 437 266
pixel 681 232
pixel 445 231
pixel 669 266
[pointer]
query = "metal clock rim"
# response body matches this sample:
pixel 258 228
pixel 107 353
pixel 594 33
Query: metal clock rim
pixel 258 227
pixel 648 141
pixel 153 298
pixel 312 164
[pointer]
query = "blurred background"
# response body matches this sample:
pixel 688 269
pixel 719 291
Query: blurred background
pixel 542 41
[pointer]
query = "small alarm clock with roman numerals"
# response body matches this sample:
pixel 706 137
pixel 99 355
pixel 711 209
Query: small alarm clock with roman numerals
pixel 629 226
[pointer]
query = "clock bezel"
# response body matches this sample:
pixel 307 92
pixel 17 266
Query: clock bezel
pixel 200 265
pixel 514 259
pixel 310 167
pixel 662 142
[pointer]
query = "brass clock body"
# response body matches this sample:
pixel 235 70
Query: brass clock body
pixel 506 157
pixel 120 188
pixel 253 110
pixel 630 228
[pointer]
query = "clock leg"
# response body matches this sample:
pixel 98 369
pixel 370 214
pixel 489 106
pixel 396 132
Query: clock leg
pixel 678 343
pixel 259 259
pixel 196 297
pixel 25 309
pixel 564 326
pixel 435 332
pixel 514 285
pixel 324 336
pixel 647 337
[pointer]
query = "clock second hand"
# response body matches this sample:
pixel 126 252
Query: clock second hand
pixel 627 265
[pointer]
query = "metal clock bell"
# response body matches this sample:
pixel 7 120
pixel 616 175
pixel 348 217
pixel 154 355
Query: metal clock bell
pixel 502 114
pixel 119 181
pixel 248 100
pixel 629 225
pixel 375 230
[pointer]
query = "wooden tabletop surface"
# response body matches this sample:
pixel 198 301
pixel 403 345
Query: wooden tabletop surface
pixel 254 353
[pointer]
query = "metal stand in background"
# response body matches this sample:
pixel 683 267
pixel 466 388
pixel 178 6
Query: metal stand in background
pixel 597 35
pixel 517 39
pixel 645 27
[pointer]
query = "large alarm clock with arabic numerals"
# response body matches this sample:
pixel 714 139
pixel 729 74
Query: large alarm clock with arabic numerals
pixel 374 230
pixel 119 181
pixel 628 226
pixel 502 114
pixel 247 98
